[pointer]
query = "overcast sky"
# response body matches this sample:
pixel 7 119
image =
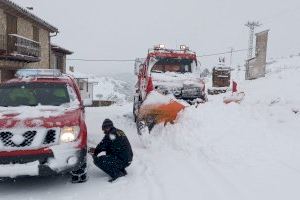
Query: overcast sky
pixel 125 29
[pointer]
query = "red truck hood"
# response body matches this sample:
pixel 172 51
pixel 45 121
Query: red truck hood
pixel 41 116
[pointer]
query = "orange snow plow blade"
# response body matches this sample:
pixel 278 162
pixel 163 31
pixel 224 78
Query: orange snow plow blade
pixel 162 113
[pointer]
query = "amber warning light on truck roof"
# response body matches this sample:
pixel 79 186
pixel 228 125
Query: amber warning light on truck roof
pixel 159 47
pixel 184 47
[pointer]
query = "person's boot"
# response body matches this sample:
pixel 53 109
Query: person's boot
pixel 118 176
pixel 124 171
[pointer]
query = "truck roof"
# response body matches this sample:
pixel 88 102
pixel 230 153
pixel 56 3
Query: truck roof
pixel 170 53
pixel 41 79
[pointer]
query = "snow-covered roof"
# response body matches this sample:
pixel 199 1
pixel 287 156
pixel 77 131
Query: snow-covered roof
pixel 8 4
pixel 60 49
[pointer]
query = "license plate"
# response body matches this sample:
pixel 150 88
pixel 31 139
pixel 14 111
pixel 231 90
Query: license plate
pixel 15 170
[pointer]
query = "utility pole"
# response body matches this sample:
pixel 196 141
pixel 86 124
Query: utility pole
pixel 231 52
pixel 251 25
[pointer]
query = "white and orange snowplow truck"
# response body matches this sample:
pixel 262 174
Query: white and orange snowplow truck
pixel 167 81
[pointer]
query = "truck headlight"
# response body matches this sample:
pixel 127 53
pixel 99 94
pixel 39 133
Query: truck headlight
pixel 69 134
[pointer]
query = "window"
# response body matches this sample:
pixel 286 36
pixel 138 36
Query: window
pixel 81 85
pixel 36 33
pixel 11 24
pixel 59 62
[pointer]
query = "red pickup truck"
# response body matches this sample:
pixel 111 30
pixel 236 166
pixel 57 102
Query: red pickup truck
pixel 42 126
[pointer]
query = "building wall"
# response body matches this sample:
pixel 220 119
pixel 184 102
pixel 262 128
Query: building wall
pixel 64 69
pixel 45 51
pixel 25 29
pixel 2 22
pixel 53 61
pixel 2 30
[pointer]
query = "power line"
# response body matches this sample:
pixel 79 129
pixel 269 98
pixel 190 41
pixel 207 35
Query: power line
pixel 101 60
pixel 222 53
pixel 132 60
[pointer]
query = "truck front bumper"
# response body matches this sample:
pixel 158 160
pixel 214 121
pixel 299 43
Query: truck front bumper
pixel 42 162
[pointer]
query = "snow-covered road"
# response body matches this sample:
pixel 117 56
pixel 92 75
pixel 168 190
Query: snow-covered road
pixel 237 151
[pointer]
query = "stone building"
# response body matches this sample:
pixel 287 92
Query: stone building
pixel 59 57
pixel 25 41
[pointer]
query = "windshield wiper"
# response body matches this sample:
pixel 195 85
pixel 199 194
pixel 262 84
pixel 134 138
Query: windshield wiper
pixel 156 71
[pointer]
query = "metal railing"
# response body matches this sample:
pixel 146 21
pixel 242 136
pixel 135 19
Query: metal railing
pixel 23 46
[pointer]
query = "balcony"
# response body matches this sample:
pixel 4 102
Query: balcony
pixel 17 48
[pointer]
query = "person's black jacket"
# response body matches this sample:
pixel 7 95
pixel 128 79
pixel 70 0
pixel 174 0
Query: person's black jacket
pixel 115 143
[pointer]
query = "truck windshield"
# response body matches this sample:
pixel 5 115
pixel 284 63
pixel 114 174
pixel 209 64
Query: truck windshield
pixel 33 94
pixel 172 65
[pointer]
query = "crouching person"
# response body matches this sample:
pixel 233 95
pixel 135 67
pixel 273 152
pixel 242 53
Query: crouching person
pixel 118 151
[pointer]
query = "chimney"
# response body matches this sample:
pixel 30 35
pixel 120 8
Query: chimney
pixel 71 68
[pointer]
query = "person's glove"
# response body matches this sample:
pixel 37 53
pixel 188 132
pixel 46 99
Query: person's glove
pixel 91 151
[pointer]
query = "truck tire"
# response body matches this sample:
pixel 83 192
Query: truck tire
pixel 80 175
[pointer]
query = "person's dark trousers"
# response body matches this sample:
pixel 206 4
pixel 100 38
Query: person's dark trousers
pixel 111 165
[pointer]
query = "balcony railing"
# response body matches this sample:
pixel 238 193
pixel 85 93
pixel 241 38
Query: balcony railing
pixel 16 47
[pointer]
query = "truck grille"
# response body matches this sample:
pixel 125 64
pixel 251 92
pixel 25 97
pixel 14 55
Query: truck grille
pixel 8 139
pixel 50 137
pixel 18 140
pixel 190 93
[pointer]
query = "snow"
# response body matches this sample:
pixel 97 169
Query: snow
pixel 175 80
pixel 108 88
pixel 62 153
pixel 14 170
pixel 155 97
pixel 215 151
pixel 25 38
pixel 25 112
pixel 41 111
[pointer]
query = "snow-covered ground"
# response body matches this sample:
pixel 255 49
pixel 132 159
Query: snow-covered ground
pixel 236 151
pixel 109 88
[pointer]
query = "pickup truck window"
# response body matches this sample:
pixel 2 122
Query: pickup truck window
pixel 33 94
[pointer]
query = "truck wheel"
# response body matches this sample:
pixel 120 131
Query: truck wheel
pixel 80 175
pixel 141 127
pixel 205 98
pixel 136 106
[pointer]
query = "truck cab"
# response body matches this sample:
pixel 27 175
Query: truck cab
pixel 170 72
pixel 42 126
